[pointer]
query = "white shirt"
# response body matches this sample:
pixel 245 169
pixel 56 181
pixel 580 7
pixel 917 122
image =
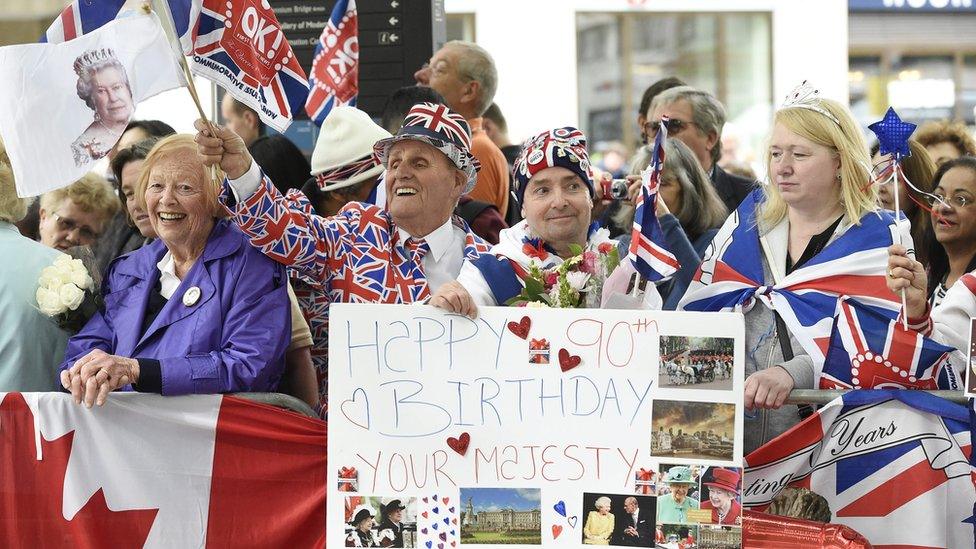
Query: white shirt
pixel 441 265
pixel 168 281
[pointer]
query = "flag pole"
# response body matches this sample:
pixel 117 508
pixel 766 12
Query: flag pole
pixel 894 189
pixel 166 21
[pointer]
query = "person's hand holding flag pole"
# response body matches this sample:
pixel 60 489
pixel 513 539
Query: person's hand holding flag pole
pixel 648 251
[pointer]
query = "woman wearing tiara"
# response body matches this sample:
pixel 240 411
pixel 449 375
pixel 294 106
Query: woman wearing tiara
pixel 791 249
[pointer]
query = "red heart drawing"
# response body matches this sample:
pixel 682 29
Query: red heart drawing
pixel 424 514
pixel 460 444
pixel 521 328
pixel 567 361
pixel 446 500
pixel 454 520
pixel 556 530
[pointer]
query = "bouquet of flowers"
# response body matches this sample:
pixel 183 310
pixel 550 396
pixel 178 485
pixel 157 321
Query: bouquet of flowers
pixel 576 282
pixel 65 292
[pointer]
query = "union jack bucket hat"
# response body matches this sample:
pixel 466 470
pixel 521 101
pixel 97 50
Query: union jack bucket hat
pixel 438 126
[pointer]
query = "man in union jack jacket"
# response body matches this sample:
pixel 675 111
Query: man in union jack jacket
pixel 365 253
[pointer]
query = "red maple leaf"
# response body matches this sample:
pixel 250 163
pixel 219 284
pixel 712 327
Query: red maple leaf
pixel 32 492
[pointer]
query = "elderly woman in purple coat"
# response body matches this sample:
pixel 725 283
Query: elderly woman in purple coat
pixel 199 310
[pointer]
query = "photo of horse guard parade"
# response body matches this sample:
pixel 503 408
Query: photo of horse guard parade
pixel 696 362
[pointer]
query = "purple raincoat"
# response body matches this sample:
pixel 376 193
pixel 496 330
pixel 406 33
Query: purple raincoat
pixel 233 338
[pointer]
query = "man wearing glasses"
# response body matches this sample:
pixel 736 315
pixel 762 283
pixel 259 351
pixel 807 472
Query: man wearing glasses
pixel 697 119
pixel 76 214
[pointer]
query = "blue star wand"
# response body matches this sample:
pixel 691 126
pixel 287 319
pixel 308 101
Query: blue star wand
pixel 893 136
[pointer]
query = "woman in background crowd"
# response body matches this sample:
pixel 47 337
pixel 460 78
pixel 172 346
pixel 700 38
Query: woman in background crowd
pixel 920 171
pixel 689 209
pixel 946 140
pixel 951 237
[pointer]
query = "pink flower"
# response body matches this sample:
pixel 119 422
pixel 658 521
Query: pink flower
pixel 551 278
pixel 588 265
pixel 605 248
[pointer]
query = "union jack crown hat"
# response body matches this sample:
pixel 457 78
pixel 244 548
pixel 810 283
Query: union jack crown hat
pixel 561 147
pixel 438 126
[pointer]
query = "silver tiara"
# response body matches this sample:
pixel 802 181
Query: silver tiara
pixel 806 96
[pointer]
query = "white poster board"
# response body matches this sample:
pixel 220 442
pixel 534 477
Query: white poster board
pixel 517 427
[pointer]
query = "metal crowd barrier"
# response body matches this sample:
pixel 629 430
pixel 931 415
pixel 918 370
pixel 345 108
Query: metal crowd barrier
pixel 279 400
pixel 821 397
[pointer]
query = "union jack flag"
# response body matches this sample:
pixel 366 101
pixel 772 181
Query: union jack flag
pixel 871 351
pixel 853 264
pixel 240 46
pixel 334 80
pixel 647 243
pixel 82 17
pixel 893 465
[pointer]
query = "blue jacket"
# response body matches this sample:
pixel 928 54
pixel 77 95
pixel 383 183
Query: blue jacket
pixel 232 339
pixel 31 344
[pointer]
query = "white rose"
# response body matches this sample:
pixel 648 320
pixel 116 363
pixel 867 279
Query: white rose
pixel 49 302
pixel 80 277
pixel 63 259
pixel 49 278
pixel 536 305
pixel 63 271
pixel 71 296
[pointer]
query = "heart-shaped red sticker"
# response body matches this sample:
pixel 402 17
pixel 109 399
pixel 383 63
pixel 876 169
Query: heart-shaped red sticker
pixel 567 361
pixel 521 328
pixel 460 444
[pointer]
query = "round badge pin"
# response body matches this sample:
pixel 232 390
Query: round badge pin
pixel 191 296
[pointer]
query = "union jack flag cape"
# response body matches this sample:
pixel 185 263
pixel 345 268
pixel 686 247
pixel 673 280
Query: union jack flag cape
pixel 334 80
pixel 647 243
pixel 871 351
pixel 237 44
pixel 893 465
pixel 731 276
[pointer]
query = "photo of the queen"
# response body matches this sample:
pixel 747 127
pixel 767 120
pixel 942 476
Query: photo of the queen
pixel 104 87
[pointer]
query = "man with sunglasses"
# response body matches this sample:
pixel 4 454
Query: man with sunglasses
pixel 75 215
pixel 697 118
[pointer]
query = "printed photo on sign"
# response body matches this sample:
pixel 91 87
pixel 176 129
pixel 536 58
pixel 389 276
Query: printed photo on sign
pixel 539 351
pixel 679 494
pixel 645 481
pixel 373 521
pixel 721 489
pixel 618 519
pixel 499 516
pixel 348 479
pixel 719 537
pixel 696 362
pixel 103 85
pixel 692 430
pixel 971 360
pixel 677 536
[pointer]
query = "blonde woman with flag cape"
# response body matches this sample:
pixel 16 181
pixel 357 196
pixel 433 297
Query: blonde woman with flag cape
pixel 791 249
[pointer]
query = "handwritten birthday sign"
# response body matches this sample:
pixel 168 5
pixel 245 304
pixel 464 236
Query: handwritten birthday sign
pixel 499 429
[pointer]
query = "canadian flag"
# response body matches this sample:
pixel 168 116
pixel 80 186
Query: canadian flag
pixel 153 471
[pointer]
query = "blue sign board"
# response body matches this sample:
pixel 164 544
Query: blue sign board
pixel 928 6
